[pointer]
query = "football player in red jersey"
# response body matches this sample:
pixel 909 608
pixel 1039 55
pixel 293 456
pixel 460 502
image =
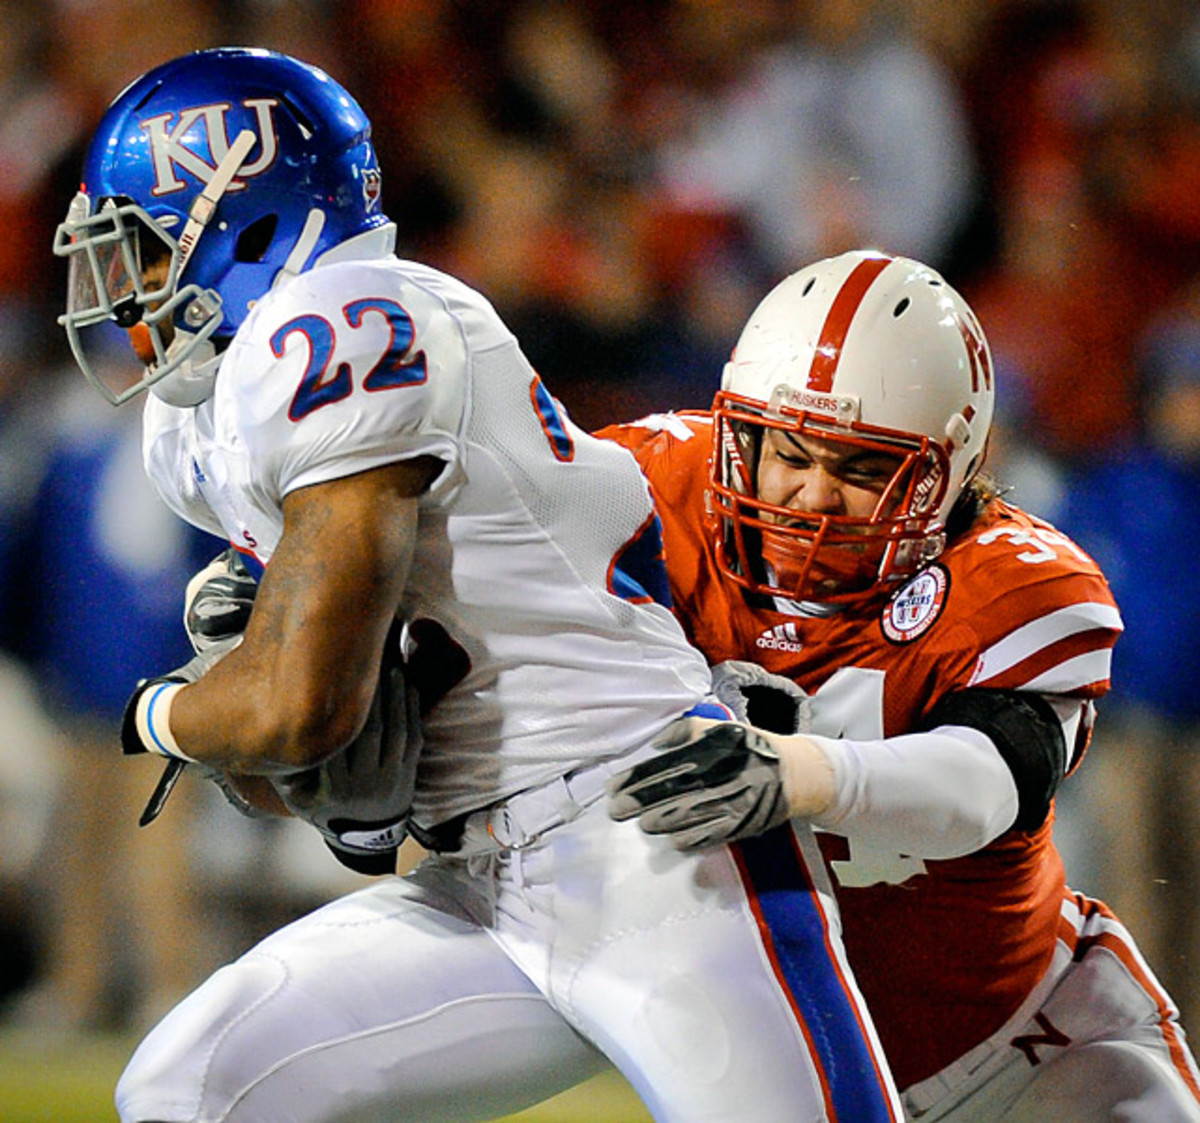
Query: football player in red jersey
pixel 829 538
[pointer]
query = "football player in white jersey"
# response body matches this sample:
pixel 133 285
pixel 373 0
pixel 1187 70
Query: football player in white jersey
pixel 366 432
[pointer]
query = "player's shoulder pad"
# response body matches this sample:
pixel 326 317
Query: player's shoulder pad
pixel 682 426
pixel 672 449
pixel 1012 562
pixel 358 362
pixel 1039 609
pixel 1018 540
pixel 411 299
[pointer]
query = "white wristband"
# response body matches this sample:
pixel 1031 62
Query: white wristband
pixel 153 720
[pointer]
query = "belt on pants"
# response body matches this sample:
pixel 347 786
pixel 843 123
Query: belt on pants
pixel 520 819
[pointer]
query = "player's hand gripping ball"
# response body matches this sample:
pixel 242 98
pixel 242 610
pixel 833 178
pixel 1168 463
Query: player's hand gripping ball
pixel 216 610
pixel 218 603
pixel 359 799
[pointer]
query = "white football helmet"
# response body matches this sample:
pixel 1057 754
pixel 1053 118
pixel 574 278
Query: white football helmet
pixel 869 351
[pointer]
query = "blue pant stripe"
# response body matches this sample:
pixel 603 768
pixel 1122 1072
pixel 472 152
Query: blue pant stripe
pixel 795 928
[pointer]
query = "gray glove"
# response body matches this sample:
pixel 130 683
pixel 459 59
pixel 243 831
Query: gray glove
pixel 758 697
pixel 217 605
pixel 724 785
pixel 360 798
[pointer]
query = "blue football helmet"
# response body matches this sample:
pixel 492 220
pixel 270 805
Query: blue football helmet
pixel 209 180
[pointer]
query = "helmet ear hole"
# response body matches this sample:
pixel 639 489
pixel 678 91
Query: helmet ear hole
pixel 254 241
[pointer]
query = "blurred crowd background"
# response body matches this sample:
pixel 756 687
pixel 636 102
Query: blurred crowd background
pixel 624 180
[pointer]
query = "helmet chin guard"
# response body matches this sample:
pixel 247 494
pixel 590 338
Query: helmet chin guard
pixel 189 380
pixel 862 353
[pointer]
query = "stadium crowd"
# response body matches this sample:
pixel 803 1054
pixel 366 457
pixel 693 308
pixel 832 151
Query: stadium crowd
pixel 623 180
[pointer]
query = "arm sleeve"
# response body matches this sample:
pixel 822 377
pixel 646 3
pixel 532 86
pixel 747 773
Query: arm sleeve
pixel 937 794
pixel 989 760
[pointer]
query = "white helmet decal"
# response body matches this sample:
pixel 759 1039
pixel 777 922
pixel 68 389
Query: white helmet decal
pixel 168 150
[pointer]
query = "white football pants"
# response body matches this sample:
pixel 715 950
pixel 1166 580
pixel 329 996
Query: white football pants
pixel 1099 1040
pixel 473 988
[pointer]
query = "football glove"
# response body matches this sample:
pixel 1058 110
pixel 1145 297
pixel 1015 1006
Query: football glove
pixel 758 697
pixel 716 782
pixel 360 799
pixel 217 604
pixel 216 610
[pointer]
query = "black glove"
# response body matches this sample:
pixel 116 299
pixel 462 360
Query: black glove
pixel 361 797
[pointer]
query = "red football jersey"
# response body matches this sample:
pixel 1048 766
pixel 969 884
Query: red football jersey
pixel 944 951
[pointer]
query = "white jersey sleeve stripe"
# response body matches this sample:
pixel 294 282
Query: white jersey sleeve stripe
pixel 1041 633
pixel 669 423
pixel 1074 674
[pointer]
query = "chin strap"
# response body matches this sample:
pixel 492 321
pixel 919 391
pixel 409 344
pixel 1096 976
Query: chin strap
pixel 205 204
pixel 302 250
pixel 191 382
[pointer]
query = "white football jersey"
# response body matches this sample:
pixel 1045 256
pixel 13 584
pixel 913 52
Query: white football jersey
pixel 536 602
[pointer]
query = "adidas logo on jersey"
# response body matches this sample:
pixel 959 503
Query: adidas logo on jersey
pixel 782 637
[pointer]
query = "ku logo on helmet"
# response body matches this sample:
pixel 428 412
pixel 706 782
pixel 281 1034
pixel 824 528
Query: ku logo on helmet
pixel 167 133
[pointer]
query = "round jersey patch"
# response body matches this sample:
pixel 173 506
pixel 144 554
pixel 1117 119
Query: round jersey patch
pixel 913 610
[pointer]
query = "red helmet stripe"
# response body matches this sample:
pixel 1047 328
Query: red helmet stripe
pixel 976 352
pixel 837 323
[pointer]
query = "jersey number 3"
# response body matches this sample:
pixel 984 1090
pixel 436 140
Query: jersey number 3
pixel 394 368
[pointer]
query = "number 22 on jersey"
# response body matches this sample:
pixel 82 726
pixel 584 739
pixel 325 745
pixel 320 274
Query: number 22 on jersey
pixel 396 367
